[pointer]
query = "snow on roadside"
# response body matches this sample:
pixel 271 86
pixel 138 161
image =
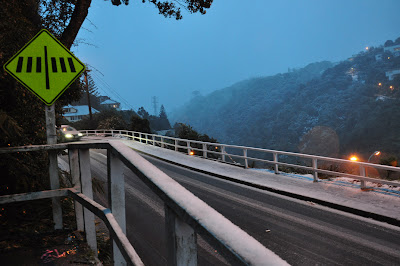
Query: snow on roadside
pixel 346 182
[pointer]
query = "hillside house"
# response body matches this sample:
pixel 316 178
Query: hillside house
pixel 110 104
pixel 77 113
pixel 391 74
pixel 395 49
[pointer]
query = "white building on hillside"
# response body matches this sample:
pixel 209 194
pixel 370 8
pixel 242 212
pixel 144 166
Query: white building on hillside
pixel 395 49
pixel 391 74
pixel 111 104
pixel 76 113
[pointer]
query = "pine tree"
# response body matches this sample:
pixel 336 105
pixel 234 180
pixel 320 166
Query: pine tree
pixel 143 113
pixel 164 123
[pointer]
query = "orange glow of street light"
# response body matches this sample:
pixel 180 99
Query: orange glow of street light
pixel 353 158
pixel 379 84
pixel 391 87
pixel 192 153
pixel 377 153
pixel 367 48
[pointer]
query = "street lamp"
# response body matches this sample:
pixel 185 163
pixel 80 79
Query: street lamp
pixel 376 153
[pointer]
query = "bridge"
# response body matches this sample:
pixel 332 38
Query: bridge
pixel 186 216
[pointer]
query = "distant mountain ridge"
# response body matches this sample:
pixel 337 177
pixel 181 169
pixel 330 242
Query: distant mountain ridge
pixel 277 112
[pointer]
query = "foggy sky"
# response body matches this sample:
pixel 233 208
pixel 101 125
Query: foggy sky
pixel 142 54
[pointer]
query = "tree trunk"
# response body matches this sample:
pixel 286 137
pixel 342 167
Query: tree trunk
pixel 77 19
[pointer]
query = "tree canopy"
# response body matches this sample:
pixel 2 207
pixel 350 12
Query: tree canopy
pixel 64 18
pixel 22 115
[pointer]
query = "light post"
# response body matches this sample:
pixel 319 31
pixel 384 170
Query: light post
pixel 375 153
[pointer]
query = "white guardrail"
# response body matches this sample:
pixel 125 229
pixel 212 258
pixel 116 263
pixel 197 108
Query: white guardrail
pixel 220 152
pixel 185 214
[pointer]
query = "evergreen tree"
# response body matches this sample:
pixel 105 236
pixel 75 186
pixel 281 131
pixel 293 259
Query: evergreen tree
pixel 163 119
pixel 139 124
pixel 389 43
pixel 93 94
pixel 143 113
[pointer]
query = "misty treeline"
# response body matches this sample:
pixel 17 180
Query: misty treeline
pixel 351 105
pixel 110 118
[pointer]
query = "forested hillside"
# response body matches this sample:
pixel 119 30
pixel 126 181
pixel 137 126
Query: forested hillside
pixel 323 108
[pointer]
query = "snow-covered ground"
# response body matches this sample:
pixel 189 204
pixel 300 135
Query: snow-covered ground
pixel 347 182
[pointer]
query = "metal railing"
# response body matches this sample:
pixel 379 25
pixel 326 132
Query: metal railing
pixel 185 214
pixel 220 151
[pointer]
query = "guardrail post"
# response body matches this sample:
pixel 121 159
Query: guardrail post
pixel 53 165
pixel 315 167
pixel 181 240
pixel 162 142
pixel 153 138
pixel 76 183
pixel 246 163
pixel 205 150
pixel 362 173
pixel 188 147
pixel 147 139
pixel 176 144
pixel 55 184
pixel 223 153
pixel 86 181
pixel 116 199
pixel 276 166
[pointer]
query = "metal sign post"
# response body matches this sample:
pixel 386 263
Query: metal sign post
pixel 47 68
pixel 53 164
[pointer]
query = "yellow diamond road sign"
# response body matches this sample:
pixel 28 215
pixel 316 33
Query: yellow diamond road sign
pixel 45 67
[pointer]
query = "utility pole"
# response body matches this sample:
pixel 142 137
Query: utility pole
pixel 155 105
pixel 87 91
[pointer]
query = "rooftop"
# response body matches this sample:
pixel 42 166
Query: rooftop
pixel 81 110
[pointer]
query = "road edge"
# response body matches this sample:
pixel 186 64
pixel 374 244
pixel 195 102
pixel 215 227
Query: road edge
pixel 358 212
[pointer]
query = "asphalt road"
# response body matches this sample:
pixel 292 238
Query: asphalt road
pixel 302 233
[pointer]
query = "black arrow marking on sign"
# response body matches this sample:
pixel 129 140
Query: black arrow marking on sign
pixel 29 65
pixel 38 64
pixel 46 65
pixel 54 64
pixel 71 64
pixel 62 63
pixel 19 65
pixel 53 61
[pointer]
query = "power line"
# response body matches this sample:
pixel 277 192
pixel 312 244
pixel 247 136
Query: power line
pixel 112 91
pixel 108 87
